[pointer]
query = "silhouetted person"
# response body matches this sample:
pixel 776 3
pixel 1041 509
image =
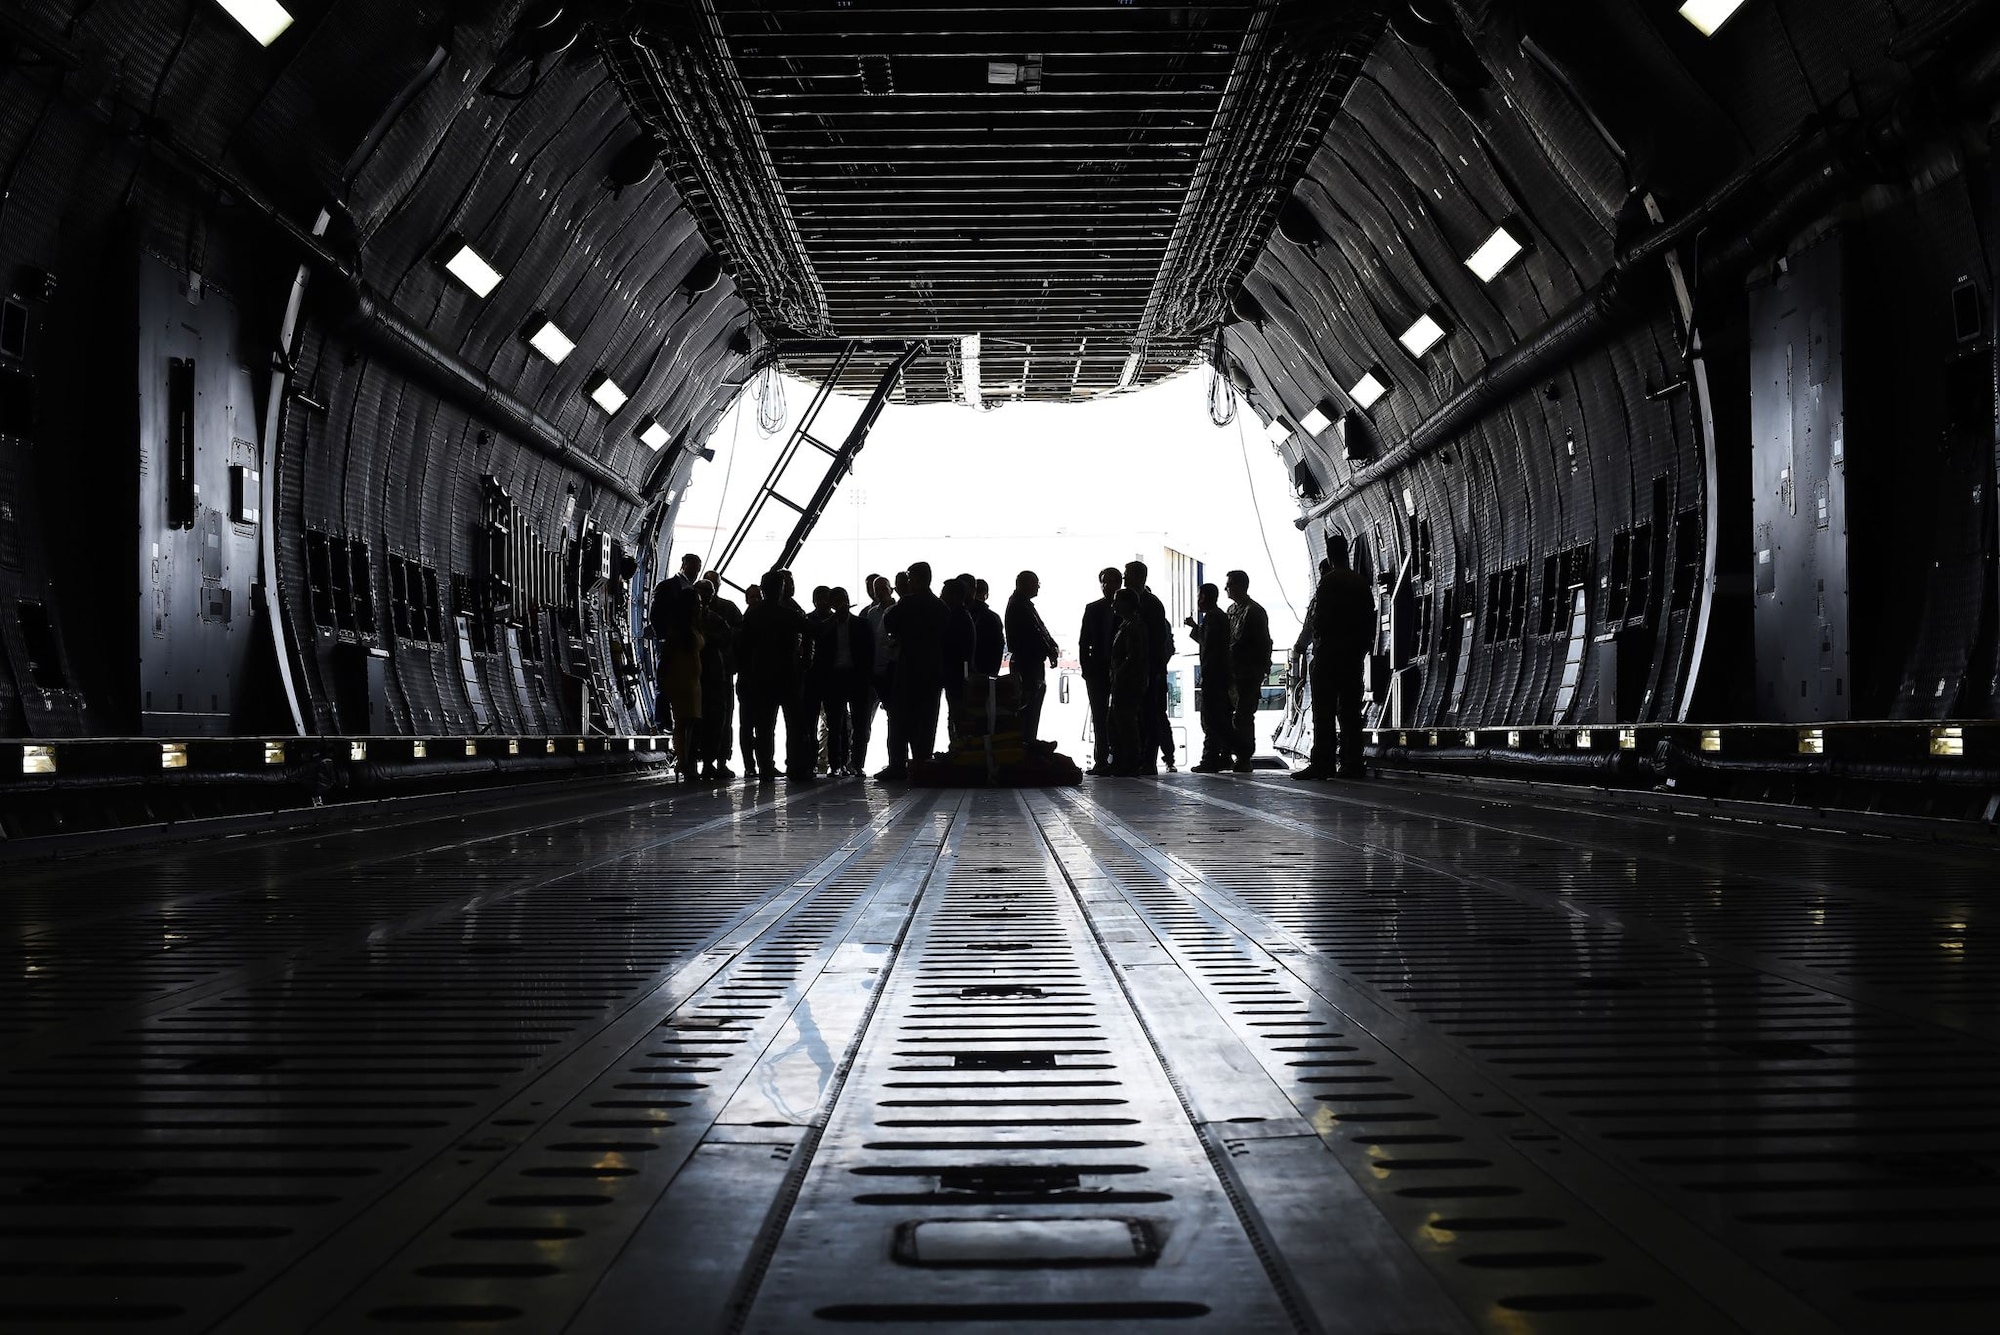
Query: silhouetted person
pixel 959 639
pixel 1209 628
pixel 1341 626
pixel 1031 650
pixel 680 676
pixel 879 603
pixel 668 617
pixel 989 636
pixel 1312 604
pixel 721 619
pixel 1249 663
pixel 843 664
pixel 801 712
pixel 822 607
pixel 1093 653
pixel 1156 733
pixel 916 624
pixel 767 649
pixel 1131 686
pixel 752 596
pixel 684 578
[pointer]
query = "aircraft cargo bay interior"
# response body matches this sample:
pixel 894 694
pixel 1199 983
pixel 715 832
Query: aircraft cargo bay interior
pixel 1106 665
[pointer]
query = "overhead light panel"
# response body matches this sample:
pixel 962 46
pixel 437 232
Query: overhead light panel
pixel 604 392
pixel 551 342
pixel 1708 15
pixel 1315 421
pixel 1278 432
pixel 1368 390
pixel 653 435
pixel 266 20
pixel 1495 253
pixel 1422 336
pixel 468 267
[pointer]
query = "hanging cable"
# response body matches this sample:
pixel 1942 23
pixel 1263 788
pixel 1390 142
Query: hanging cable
pixel 770 401
pixel 1243 443
pixel 728 471
pixel 1221 398
pixel 1221 394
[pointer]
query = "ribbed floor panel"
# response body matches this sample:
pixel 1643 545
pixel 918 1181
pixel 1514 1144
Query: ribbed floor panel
pixel 1201 1054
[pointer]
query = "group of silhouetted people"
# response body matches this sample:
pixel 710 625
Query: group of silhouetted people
pixel 827 671
pixel 1123 650
pixel 911 650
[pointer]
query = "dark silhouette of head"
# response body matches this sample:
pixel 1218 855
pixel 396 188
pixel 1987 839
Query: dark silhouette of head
pixel 1135 574
pixel 1110 579
pixel 1237 585
pixel 1336 549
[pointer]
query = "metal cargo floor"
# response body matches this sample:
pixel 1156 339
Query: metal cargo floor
pixel 1194 1054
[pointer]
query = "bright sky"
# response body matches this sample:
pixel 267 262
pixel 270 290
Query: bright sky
pixel 1061 489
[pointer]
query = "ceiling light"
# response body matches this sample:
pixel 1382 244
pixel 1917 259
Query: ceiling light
pixel 653 435
pixel 1495 253
pixel 468 268
pixel 1422 336
pixel 550 341
pixel 604 392
pixel 1367 390
pixel 266 20
pixel 1708 15
pixel 1279 431
pixel 1315 421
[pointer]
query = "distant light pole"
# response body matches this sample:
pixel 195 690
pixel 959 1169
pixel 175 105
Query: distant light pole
pixel 857 498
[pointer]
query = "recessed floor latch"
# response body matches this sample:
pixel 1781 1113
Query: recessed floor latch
pixel 1023 1243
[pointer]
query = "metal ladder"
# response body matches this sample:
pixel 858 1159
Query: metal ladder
pixel 842 455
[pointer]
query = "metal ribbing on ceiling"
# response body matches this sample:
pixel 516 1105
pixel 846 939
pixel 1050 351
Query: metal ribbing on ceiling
pixel 1082 187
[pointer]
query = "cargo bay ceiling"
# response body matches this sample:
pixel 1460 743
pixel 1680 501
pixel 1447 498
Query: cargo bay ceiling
pixel 1067 193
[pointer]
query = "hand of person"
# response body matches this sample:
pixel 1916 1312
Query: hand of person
pixel 1055 661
